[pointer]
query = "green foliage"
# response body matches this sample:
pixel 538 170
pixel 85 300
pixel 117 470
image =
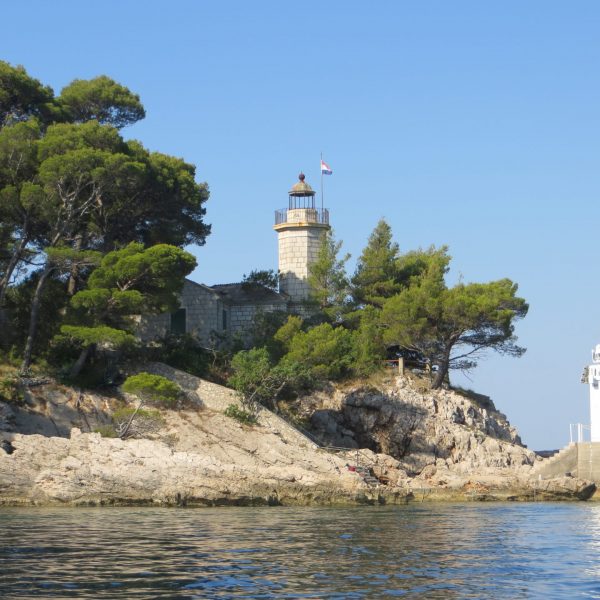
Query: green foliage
pixel 136 422
pixel 135 279
pixel 101 99
pixel 250 369
pixel 181 352
pixel 263 331
pixel 53 303
pixel 61 139
pixel 10 390
pixel 65 257
pixel 326 352
pixel 328 280
pixel 18 157
pixel 101 334
pixel 123 413
pixel 100 371
pixel 259 382
pixel 369 348
pixel 153 388
pixel 239 414
pixel 415 265
pixel 129 281
pixel 169 209
pixel 71 185
pixel 265 278
pixel 107 431
pixel 285 334
pixel 22 96
pixel 452 326
pixel 377 274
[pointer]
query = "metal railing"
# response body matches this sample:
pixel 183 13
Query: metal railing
pixel 319 216
pixel 579 429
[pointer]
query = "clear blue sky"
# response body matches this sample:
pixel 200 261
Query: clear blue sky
pixel 472 124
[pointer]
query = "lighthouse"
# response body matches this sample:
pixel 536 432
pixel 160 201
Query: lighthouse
pixel 591 376
pixel 300 228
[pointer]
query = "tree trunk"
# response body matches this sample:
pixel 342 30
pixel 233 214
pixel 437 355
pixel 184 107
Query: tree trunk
pixel 80 362
pixel 33 318
pixel 14 261
pixel 123 435
pixel 74 275
pixel 442 372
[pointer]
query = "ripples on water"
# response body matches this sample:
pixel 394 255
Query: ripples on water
pixel 418 551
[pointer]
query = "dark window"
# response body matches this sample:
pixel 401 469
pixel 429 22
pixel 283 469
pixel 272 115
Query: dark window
pixel 178 321
pixel 224 319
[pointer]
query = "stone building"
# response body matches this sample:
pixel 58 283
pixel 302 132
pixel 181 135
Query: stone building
pixel 212 313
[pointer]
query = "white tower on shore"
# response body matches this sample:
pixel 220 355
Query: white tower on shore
pixel 593 378
pixel 300 229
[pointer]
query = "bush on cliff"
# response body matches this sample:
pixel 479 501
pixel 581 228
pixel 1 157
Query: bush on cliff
pixel 240 414
pixel 145 422
pixel 153 389
pixel 258 381
pixel 325 352
pixel 149 388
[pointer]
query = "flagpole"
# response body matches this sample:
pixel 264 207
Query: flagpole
pixel 321 168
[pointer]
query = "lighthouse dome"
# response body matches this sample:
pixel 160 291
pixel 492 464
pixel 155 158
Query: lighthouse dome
pixel 301 188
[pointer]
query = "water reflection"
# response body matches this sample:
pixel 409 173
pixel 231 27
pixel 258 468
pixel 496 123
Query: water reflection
pixel 419 551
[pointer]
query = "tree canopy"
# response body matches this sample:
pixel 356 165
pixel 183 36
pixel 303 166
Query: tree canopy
pixel 101 99
pixel 22 97
pixel 69 182
pixel 266 278
pixel 127 282
pixel 377 269
pixel 328 279
pixel 452 326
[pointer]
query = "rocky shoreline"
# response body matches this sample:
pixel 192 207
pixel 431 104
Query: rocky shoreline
pixel 457 449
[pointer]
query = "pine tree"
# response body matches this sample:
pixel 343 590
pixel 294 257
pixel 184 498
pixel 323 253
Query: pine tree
pixel 376 275
pixel 328 279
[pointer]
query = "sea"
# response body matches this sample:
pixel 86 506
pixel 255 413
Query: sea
pixel 421 550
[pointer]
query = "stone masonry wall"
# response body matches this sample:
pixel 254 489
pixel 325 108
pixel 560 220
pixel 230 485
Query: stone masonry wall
pixel 242 316
pixel 298 248
pixel 203 311
pixel 203 315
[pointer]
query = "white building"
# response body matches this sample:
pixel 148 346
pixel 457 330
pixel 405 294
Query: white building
pixel 591 375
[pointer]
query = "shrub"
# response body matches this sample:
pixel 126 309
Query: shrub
pixel 326 352
pixel 181 352
pixel 153 388
pixel 241 415
pixel 263 331
pixel 144 422
pixel 107 431
pixel 9 389
pixel 250 369
pixel 369 349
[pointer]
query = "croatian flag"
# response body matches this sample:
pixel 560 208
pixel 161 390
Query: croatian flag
pixel 325 168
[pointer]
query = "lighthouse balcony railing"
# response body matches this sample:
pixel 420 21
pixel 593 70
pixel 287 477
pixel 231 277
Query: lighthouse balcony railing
pixel 320 216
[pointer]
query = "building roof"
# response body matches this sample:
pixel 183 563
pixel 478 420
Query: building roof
pixel 301 188
pixel 248 293
pixel 206 288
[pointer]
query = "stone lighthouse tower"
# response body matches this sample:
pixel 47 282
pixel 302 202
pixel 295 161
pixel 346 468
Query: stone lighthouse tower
pixel 299 228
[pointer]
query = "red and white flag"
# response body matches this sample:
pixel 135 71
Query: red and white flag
pixel 325 168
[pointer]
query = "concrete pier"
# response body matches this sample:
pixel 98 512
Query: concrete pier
pixel 581 460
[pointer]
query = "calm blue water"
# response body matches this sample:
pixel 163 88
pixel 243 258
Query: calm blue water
pixel 418 551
